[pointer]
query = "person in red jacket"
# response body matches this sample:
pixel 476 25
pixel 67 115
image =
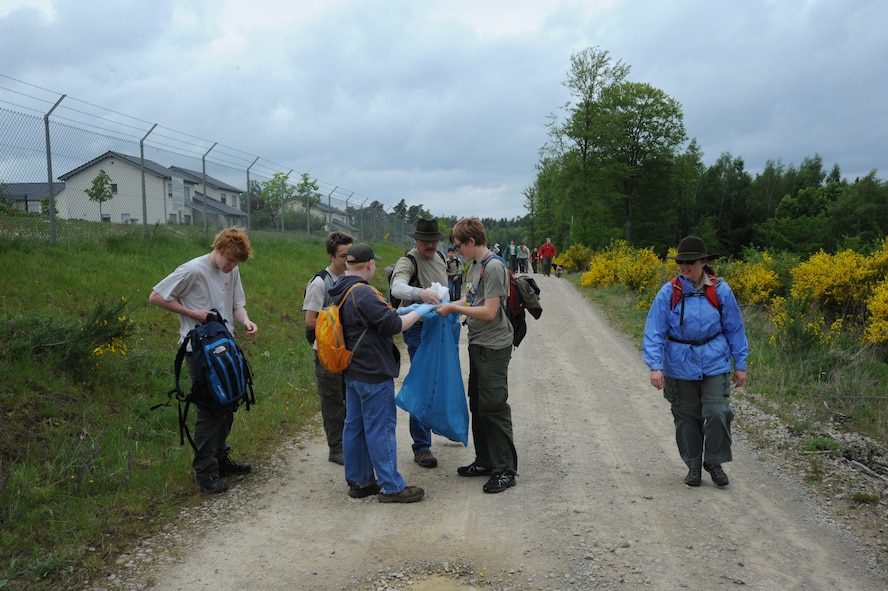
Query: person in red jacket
pixel 547 253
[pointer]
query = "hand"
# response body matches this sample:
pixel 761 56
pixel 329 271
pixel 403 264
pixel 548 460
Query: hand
pixel 407 309
pixel 657 379
pixel 429 297
pixel 739 377
pixel 425 309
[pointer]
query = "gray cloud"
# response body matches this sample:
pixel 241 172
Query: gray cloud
pixel 446 103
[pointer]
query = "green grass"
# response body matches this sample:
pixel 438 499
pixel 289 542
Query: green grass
pixel 86 468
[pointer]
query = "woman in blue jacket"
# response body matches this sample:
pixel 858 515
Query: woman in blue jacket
pixel 693 331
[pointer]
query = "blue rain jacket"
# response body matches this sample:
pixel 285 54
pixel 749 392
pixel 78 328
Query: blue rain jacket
pixel 701 322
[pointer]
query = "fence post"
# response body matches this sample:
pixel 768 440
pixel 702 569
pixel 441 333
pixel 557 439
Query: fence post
pixel 203 162
pixel 249 194
pixel 53 236
pixel 144 194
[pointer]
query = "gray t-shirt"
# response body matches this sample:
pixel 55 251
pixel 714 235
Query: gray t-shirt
pixel 493 282
pixel 199 285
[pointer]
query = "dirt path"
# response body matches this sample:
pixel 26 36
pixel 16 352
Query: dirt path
pixel 599 504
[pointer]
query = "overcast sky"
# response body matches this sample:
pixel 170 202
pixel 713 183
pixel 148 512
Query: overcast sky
pixel 444 102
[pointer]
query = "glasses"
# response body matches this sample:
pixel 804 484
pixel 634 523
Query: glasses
pixel 458 245
pixel 689 262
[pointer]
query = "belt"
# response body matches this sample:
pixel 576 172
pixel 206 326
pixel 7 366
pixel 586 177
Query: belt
pixel 693 343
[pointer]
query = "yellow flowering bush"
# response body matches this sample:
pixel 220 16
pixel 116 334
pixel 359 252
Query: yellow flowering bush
pixel 753 283
pixel 641 269
pixel 605 265
pixel 573 259
pixel 876 331
pixel 837 284
pixel 70 344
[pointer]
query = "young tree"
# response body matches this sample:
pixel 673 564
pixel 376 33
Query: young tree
pixel 277 192
pixel 100 191
pixel 307 192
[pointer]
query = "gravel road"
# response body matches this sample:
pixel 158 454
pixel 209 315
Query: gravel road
pixel 600 502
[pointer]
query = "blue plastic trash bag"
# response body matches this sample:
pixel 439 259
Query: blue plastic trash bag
pixel 433 390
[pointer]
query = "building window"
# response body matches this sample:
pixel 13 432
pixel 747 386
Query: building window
pixel 114 188
pixel 124 218
pixel 106 217
pixel 187 193
pixel 174 218
pixel 222 198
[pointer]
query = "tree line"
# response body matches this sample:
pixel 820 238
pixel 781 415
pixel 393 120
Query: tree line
pixel 618 165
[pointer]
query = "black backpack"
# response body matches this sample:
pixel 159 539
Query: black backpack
pixel 328 283
pixel 223 376
pixel 414 278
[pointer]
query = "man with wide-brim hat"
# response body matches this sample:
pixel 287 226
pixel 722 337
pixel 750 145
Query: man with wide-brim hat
pixel 427 230
pixel 692 249
pixel 412 277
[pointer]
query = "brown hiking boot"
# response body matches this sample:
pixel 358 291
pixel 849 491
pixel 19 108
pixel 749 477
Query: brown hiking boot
pixel 410 494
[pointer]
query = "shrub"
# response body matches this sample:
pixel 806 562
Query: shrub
pixel 753 284
pixel 575 258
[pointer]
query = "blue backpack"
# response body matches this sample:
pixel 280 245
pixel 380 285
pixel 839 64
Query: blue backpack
pixel 222 375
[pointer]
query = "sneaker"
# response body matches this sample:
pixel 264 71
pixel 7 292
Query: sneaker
pixel 693 477
pixel 228 466
pixel 360 492
pixel 718 475
pixel 425 458
pixel 213 485
pixel 499 482
pixel 336 458
pixel 410 494
pixel 474 469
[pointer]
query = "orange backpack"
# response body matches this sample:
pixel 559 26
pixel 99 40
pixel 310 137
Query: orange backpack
pixel 330 338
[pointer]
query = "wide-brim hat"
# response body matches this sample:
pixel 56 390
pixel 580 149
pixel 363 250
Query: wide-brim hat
pixel 427 230
pixel 692 248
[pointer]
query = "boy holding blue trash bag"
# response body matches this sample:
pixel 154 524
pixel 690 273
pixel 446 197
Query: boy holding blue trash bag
pixel 490 350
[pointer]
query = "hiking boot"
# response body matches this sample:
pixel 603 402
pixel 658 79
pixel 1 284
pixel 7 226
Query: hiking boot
pixel 228 466
pixel 425 458
pixel 360 492
pixel 693 477
pixel 473 469
pixel 499 482
pixel 336 458
pixel 410 494
pixel 718 475
pixel 213 485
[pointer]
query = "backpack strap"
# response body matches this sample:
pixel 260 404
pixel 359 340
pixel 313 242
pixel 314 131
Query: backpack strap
pixel 709 292
pixel 358 312
pixel 503 301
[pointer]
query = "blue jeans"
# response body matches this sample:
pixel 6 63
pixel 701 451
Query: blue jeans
pixel 422 435
pixel 368 440
pixel 455 286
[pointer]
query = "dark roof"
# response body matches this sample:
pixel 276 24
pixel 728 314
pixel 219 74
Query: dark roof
pixel 29 191
pixel 329 208
pixel 216 206
pixel 197 178
pixel 150 166
pixel 342 226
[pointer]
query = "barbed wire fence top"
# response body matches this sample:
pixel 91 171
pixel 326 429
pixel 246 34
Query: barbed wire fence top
pixel 54 149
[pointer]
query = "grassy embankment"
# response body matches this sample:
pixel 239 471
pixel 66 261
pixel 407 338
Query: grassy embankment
pixel 86 469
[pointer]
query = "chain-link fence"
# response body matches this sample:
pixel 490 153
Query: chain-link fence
pixel 72 170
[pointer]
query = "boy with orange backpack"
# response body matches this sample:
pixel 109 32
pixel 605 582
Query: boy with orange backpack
pixel 368 325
